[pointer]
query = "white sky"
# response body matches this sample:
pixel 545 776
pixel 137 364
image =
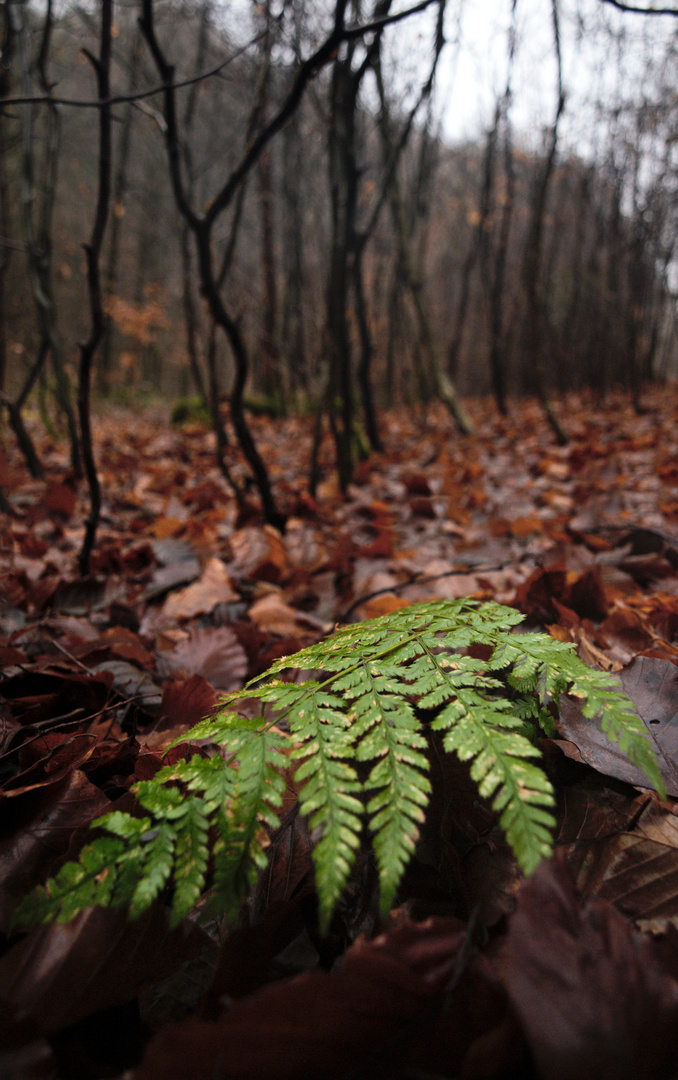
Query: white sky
pixel 590 63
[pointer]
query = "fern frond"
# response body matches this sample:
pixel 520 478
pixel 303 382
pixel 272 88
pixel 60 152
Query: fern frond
pixel 518 789
pixel 245 813
pixel 202 825
pixel 328 796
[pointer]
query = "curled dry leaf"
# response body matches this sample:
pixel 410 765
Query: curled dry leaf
pixel 625 851
pixel 212 588
pixel 49 817
pixel 260 553
pixel 272 615
pixel 184 702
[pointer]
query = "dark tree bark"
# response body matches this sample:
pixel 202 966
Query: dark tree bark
pixel 270 360
pixel 93 249
pixel 295 375
pixel 6 244
pixel 343 173
pixel 270 372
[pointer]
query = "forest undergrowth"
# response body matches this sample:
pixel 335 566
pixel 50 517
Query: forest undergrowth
pixel 477 970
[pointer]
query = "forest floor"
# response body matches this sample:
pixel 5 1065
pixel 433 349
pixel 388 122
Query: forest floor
pixel 478 973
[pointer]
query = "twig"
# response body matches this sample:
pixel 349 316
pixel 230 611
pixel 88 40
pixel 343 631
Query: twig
pixel 122 99
pixel 640 10
pixel 418 579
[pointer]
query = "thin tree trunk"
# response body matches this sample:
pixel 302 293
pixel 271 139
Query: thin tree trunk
pixel 476 248
pixel 533 255
pixel 190 311
pixel 364 363
pixel 498 348
pixel 120 185
pixel 270 375
pixel 445 388
pixel 38 238
pixel 6 247
pixel 101 65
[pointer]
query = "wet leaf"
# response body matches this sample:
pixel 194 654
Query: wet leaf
pixel 590 991
pixel 59 974
pixel 382 1014
pixel 653 687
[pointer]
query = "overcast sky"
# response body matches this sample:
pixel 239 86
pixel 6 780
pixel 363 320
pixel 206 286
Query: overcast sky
pixel 474 71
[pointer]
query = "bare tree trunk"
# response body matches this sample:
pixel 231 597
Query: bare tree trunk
pixel 270 374
pixel 37 225
pixel 6 246
pixel 533 254
pixel 201 227
pixel 364 363
pixel 497 335
pixel 269 366
pixel 294 369
pixel 120 185
pixel 343 193
pixel 101 65
pixel 445 388
pixel 477 246
pixel 191 319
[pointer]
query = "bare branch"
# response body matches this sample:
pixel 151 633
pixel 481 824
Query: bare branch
pixel 122 99
pixel 640 10
pixel 307 72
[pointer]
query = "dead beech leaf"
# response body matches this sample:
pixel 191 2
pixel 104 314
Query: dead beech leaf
pixel 59 755
pixel 59 974
pixel 187 701
pixel 629 632
pixel 259 553
pixel 383 605
pixel 376 1015
pixel 625 852
pixel 130 682
pixel 526 526
pixel 48 818
pixel 213 587
pixel 213 652
pixel 272 615
pixel 60 499
pixel 119 642
pixel 590 992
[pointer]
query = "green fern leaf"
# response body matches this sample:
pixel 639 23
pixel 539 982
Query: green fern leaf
pixel 244 812
pixel 78 885
pixel 202 832
pixel 328 795
pixel 190 859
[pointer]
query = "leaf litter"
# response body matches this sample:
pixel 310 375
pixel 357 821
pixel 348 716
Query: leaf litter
pixel 477 972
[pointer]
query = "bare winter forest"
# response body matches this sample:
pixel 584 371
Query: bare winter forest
pixel 270 207
pixel 337 339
